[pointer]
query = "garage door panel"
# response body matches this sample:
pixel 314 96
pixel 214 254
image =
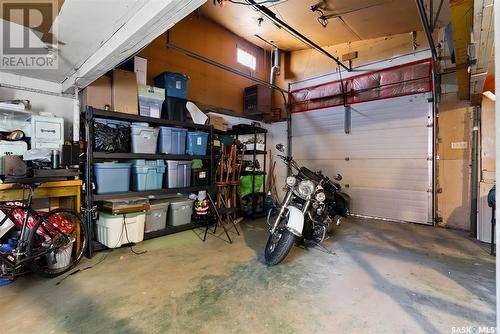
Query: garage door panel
pixel 359 124
pixel 399 144
pixel 384 159
pixel 411 205
pixel 365 116
pixel 378 173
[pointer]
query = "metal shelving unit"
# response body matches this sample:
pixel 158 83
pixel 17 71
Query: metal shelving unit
pixel 132 156
pixel 254 131
pixel 151 194
pixel 91 156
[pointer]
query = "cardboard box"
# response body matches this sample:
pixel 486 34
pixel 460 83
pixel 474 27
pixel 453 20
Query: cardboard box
pixel 141 70
pixel 124 92
pixel 98 94
pixel 217 122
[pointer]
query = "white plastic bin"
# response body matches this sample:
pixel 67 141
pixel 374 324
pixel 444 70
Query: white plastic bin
pixel 144 139
pixel 156 217
pixel 60 259
pixel 180 211
pixel 150 100
pixel 6 225
pixel 116 230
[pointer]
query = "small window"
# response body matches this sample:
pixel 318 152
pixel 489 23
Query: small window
pixel 246 59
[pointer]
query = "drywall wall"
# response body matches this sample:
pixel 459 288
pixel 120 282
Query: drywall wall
pixel 60 106
pixel 488 150
pixel 310 63
pixel 453 175
pixel 208 84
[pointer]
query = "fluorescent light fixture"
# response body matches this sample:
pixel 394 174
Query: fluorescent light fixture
pixel 490 95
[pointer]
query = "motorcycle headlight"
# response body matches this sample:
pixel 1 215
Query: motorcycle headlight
pixel 306 188
pixel 290 181
pixel 320 197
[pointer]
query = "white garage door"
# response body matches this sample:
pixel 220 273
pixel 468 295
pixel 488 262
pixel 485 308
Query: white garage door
pixel 385 160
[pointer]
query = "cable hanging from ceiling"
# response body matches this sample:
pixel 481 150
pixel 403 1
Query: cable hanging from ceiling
pixel 223 2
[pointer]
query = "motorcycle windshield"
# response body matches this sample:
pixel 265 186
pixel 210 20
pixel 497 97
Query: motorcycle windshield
pixel 309 174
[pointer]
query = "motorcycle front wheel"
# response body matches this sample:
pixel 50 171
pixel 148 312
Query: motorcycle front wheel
pixel 278 246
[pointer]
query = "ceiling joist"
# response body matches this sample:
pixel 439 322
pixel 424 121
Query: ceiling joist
pixel 271 16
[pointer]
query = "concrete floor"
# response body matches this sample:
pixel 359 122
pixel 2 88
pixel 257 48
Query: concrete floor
pixel 382 278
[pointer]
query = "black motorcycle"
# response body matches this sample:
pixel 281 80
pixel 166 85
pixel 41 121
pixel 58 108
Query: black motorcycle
pixel 312 205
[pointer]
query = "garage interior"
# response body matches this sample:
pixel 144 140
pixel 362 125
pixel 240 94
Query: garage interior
pixel 159 123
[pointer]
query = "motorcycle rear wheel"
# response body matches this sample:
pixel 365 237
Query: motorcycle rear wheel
pixel 278 246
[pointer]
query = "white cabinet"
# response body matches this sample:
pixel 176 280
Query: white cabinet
pixel 47 132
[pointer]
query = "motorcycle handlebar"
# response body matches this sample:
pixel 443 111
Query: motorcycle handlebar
pixel 289 161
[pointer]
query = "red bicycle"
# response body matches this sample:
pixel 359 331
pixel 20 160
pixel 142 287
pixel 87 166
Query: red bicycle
pixel 50 243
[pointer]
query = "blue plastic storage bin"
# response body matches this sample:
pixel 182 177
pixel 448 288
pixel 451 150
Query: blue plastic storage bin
pixel 175 84
pixel 197 143
pixel 112 177
pixel 172 140
pixel 112 123
pixel 147 174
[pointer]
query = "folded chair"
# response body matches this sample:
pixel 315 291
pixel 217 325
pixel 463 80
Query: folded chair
pixel 226 181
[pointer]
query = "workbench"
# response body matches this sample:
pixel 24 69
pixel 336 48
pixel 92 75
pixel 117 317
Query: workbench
pixel 62 194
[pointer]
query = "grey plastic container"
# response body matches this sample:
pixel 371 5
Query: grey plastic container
pixel 156 217
pixel 178 174
pixel 180 211
pixel 172 140
pixel 112 177
pixel 144 139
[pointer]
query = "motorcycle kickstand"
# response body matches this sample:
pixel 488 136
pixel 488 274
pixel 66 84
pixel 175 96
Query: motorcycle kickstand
pixel 324 249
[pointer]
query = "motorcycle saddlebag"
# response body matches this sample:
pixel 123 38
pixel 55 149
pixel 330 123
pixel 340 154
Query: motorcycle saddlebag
pixel 342 203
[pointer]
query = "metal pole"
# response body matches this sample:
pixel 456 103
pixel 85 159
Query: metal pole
pixel 431 13
pixel 427 27
pixel 222 66
pixel 288 107
pixel 474 172
pixel 435 111
pixel 89 202
pixel 437 14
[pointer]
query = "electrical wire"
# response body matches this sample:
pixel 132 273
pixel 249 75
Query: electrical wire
pixel 132 243
pixel 105 256
pixel 248 4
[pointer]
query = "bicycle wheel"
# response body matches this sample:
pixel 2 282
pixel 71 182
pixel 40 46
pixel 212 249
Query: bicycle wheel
pixel 58 251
